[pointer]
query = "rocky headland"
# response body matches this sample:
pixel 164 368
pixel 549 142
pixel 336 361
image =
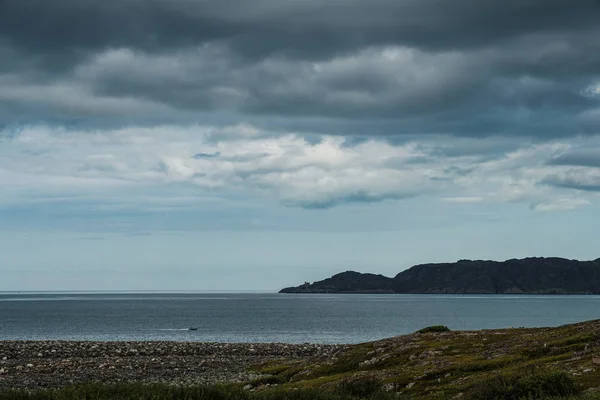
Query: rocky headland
pixel 516 276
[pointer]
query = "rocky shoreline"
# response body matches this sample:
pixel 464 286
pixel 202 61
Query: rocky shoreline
pixel 44 364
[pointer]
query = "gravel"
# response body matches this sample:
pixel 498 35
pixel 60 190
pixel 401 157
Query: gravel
pixel 42 364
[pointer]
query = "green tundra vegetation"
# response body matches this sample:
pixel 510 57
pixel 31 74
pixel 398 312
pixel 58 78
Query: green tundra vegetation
pixel 434 363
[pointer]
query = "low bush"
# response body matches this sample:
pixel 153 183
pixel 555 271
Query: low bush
pixel 434 328
pixel 364 386
pixel 529 386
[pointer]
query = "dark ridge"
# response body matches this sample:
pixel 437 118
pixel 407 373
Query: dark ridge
pixel 346 282
pixel 535 275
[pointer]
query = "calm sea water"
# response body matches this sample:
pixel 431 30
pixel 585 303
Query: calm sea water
pixel 273 317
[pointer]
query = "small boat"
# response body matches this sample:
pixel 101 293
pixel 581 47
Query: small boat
pixel 192 329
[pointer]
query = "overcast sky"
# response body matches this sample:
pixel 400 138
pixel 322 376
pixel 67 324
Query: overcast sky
pixel 250 145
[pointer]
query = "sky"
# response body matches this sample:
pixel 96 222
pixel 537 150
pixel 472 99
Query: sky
pixel 228 145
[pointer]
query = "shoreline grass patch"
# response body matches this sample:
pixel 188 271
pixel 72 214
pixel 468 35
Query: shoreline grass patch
pixel 434 328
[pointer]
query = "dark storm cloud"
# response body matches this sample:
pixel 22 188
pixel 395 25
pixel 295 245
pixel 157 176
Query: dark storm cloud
pixel 294 25
pixel 465 67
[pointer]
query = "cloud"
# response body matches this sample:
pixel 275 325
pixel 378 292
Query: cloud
pixel 206 155
pixel 560 204
pixel 66 99
pixel 310 26
pixel 583 158
pixel 463 199
pixel 373 68
pixel 171 167
pixel 586 179
pixel 592 91
pixel 313 104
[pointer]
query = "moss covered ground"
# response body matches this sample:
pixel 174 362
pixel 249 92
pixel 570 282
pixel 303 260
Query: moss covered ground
pixel 435 363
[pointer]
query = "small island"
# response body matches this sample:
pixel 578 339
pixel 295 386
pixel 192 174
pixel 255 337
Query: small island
pixel 536 275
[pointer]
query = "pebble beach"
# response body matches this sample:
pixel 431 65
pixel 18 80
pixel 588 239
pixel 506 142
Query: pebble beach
pixel 45 364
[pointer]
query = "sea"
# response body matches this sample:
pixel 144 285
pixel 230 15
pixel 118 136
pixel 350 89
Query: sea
pixel 271 317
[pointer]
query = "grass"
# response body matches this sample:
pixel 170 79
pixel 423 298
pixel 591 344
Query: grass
pixel 533 386
pixel 434 328
pixel 551 386
pixel 462 363
pixel 361 387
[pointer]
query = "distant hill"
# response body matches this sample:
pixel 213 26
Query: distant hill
pixel 517 276
pixel 346 282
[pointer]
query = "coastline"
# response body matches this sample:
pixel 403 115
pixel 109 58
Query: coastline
pixel 431 362
pixel 466 293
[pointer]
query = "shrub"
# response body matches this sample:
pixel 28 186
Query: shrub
pixel 434 328
pixel 363 386
pixel 526 386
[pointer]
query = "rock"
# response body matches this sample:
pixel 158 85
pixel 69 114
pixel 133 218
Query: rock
pixel 388 387
pixel 113 362
pixel 247 387
pixel 2 371
pixel 410 385
pixel 412 357
pixel 368 363
pixel 596 360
